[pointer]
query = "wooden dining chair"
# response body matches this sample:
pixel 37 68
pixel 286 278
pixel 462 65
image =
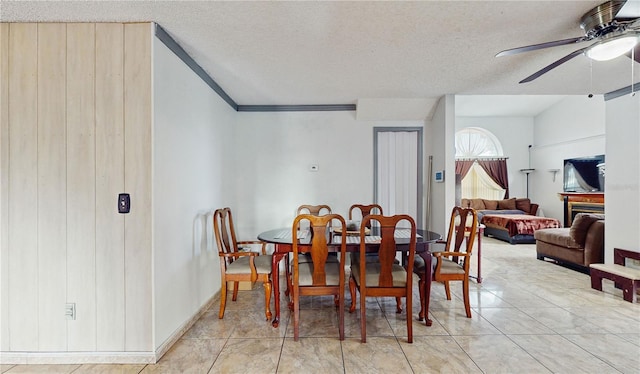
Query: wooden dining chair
pixel 314 210
pixel 361 211
pixel 237 265
pixel 320 276
pixel 383 277
pixel 364 210
pixel 453 263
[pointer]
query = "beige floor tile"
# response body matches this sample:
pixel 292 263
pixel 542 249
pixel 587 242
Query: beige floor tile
pixel 4 368
pixel 632 338
pixel 521 297
pixel 607 319
pixel 560 320
pixel 311 355
pixel 188 356
pixel 48 369
pixel 513 321
pixel 455 322
pixel 377 324
pixel 499 354
pixel 438 354
pixel 209 326
pixel 109 369
pixel 611 349
pixel 317 323
pixel 253 324
pixel 248 356
pixel 574 359
pixel 378 355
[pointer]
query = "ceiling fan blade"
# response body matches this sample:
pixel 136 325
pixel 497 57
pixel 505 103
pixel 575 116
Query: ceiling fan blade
pixel 553 65
pixel 533 47
pixel 630 9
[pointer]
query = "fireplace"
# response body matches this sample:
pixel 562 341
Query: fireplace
pixel 575 203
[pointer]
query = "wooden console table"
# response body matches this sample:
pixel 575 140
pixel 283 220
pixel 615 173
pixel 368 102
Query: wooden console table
pixel 581 202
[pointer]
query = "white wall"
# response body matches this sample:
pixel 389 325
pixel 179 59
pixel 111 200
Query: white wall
pixel 273 154
pixel 440 135
pixel 573 127
pixel 515 135
pixel 192 168
pixel 622 176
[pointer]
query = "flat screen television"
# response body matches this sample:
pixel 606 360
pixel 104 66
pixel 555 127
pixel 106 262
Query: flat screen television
pixel 584 174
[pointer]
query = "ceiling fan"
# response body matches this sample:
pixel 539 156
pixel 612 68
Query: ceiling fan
pixel 615 32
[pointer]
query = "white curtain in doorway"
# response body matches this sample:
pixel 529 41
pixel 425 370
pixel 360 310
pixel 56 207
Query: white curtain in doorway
pixel 398 172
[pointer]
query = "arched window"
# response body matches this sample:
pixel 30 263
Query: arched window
pixel 478 143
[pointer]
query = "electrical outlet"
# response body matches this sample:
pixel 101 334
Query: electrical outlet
pixel 70 311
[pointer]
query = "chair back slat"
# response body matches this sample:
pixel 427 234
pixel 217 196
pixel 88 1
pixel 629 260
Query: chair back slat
pixel 365 210
pixel 462 231
pixel 387 249
pixel 314 210
pixel 319 250
pixel 224 231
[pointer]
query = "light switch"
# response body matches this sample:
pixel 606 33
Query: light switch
pixel 124 203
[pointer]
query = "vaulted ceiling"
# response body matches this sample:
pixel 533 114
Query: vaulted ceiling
pixel 325 52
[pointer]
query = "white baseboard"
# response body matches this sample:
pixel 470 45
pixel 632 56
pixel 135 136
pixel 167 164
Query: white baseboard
pixel 58 358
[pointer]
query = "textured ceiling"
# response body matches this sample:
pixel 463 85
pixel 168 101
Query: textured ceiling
pixel 320 52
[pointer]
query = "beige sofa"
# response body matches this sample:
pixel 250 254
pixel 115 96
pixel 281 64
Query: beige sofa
pixel 576 246
pixel 520 205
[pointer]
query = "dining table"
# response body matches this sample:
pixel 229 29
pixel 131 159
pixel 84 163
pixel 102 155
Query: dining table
pixel 282 240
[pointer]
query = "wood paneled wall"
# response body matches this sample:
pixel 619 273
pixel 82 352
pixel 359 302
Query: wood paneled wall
pixel 75 126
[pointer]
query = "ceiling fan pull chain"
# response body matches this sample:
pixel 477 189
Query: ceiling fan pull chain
pixel 633 61
pixel 590 78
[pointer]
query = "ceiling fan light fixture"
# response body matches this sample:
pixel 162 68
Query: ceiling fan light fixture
pixel 612 47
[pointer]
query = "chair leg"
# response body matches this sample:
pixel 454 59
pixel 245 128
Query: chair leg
pixel 287 276
pixel 341 316
pixel 447 290
pixel 409 316
pixel 465 291
pixel 289 291
pixel 352 291
pixel 236 286
pixel 267 299
pixel 363 317
pixel 223 298
pixel 296 314
pixel 422 299
pixel 398 305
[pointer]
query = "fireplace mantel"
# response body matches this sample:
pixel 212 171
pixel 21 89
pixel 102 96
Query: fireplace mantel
pixel 581 202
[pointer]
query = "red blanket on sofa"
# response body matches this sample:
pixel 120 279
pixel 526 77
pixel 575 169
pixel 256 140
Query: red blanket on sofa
pixel 519 223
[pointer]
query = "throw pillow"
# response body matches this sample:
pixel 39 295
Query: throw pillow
pixel 465 203
pixel 580 226
pixel 523 205
pixel 477 204
pixel 491 204
pixel 509 204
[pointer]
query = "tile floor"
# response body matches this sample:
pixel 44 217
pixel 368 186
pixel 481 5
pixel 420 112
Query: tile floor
pixel 529 316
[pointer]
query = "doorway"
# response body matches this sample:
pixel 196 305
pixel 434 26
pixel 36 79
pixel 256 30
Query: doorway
pixel 398 170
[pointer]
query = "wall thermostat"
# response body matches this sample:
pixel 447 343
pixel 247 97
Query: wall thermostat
pixel 439 176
